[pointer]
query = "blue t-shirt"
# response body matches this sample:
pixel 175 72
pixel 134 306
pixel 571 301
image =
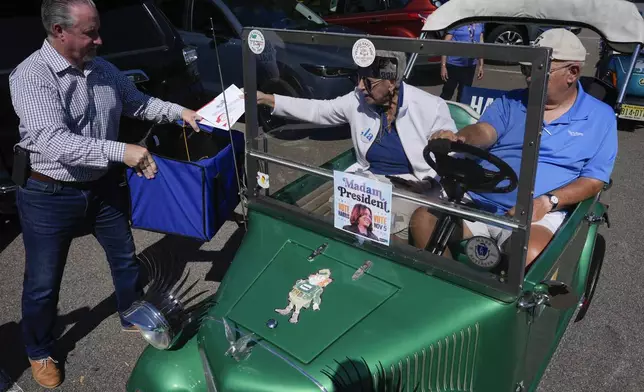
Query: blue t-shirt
pixel 468 33
pixel 386 155
pixel 580 143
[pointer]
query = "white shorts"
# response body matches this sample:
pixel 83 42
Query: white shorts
pixel 551 221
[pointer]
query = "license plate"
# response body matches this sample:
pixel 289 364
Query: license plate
pixel 632 112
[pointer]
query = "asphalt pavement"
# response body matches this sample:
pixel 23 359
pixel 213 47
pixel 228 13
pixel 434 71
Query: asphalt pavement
pixel 604 352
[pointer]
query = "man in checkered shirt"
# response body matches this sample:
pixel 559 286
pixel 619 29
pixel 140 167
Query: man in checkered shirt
pixel 69 103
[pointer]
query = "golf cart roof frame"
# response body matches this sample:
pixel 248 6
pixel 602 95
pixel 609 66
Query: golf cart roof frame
pixel 622 27
pixel 506 289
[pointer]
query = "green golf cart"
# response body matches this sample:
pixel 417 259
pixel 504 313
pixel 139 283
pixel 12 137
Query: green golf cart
pixel 309 305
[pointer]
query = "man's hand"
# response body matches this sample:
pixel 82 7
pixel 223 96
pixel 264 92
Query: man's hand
pixel 540 207
pixel 447 135
pixel 479 73
pixel 141 160
pixel 191 117
pixel 265 99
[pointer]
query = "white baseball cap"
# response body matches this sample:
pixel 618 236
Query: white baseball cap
pixel 565 45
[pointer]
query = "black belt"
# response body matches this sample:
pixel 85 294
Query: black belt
pixel 86 185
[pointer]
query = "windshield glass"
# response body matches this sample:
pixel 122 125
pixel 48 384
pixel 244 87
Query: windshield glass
pixel 390 174
pixel 279 14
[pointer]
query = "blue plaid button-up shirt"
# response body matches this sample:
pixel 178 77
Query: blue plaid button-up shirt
pixel 69 118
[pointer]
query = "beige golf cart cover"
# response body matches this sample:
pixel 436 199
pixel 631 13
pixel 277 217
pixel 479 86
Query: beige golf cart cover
pixel 619 21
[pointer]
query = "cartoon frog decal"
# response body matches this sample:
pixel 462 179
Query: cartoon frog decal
pixel 306 292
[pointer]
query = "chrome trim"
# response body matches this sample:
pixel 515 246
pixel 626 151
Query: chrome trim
pixel 431 365
pixel 438 368
pixel 280 356
pixel 467 358
pixel 462 377
pixel 451 376
pixel 462 212
pixel 446 363
pixel 460 361
pixel 210 378
pixel 400 366
pixel 476 345
pixel 422 379
pixel 415 369
pixel 408 373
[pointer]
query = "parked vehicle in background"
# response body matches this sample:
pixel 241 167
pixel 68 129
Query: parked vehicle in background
pixel 298 71
pixel 405 18
pixel 613 68
pixel 400 18
pixel 137 38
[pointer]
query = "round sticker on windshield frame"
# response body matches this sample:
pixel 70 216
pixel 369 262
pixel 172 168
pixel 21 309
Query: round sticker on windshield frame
pixel 483 252
pixel 256 41
pixel 363 52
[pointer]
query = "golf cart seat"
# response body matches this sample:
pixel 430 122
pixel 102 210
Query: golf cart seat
pixel 462 114
pixel 599 89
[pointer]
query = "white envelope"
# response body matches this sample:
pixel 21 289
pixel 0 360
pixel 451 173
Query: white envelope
pixel 214 113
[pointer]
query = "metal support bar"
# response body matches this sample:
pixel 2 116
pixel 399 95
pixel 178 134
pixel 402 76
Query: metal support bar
pixel 462 212
pixel 622 91
pixel 412 59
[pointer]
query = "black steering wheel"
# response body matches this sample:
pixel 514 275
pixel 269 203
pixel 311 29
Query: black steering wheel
pixel 459 175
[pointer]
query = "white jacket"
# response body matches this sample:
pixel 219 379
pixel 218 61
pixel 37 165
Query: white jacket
pixel 420 115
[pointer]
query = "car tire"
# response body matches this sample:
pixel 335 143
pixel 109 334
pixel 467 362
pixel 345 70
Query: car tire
pixel 507 35
pixel 267 121
pixel 596 262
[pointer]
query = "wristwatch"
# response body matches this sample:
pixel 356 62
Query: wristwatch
pixel 554 200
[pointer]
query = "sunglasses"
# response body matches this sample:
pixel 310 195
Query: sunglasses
pixel 526 70
pixel 368 84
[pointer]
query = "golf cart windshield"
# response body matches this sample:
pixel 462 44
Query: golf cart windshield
pixel 324 159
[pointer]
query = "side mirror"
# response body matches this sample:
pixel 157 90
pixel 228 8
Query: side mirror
pixel 559 295
pixel 552 293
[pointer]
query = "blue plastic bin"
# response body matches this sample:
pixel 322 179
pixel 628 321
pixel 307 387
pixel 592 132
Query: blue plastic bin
pixel 191 198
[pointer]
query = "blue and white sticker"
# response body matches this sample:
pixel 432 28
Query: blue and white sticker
pixel 256 41
pixel 483 252
pixel 363 52
pixel 366 136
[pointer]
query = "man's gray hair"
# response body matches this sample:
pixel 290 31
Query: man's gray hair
pixel 401 60
pixel 54 12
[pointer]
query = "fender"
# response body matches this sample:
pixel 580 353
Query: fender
pixel 590 262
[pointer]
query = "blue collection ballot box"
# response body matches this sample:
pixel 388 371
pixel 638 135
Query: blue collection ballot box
pixel 195 190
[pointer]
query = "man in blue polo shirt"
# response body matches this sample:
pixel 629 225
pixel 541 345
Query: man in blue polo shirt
pixel 576 157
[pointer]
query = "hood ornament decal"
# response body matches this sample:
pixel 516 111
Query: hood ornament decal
pixel 240 349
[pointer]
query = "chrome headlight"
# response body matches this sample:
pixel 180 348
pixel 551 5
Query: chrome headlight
pixel 161 316
pixel 151 323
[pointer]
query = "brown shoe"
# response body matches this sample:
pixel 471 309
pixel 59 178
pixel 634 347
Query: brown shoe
pixel 46 372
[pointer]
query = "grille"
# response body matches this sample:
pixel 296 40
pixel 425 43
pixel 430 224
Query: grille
pixel 446 365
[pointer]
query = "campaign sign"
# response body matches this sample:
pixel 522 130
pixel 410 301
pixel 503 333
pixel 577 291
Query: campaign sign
pixel 479 98
pixel 362 206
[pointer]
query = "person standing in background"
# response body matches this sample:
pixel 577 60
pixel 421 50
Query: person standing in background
pixel 458 72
